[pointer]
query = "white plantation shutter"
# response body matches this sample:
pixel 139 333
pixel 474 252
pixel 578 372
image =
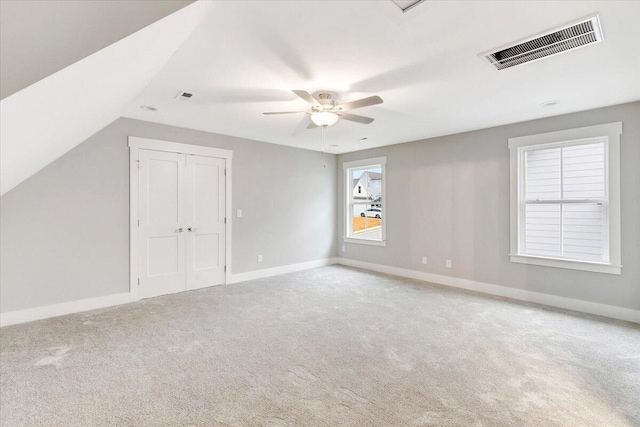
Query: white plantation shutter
pixel 543 174
pixel 565 200
pixel 583 231
pixel 583 171
pixel 542 233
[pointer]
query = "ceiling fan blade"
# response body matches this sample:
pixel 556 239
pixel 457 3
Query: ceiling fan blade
pixel 301 126
pixel 364 102
pixel 284 112
pixel 356 118
pixel 312 125
pixel 307 97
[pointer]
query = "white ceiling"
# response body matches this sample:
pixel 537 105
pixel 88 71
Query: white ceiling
pixel 246 57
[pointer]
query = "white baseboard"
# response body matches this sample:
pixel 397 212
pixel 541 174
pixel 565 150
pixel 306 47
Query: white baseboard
pixel 611 311
pixel 276 271
pixel 37 313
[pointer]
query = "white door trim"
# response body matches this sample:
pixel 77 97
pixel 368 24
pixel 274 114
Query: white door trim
pixel 136 144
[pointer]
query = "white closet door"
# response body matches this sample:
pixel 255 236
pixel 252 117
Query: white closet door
pixel 162 218
pixel 205 221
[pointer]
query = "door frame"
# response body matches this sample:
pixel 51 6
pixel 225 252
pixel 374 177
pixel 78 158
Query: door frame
pixel 135 144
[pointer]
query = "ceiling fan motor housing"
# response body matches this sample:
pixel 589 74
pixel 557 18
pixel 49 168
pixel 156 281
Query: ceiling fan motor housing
pixel 326 99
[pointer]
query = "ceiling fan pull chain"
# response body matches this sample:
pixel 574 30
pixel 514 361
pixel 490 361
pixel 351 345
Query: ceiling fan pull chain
pixel 324 163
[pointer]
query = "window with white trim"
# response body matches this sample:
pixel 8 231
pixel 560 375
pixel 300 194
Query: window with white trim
pixel 365 213
pixel 566 199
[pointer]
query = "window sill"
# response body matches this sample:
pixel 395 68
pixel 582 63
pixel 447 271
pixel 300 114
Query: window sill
pixel 596 267
pixel 364 241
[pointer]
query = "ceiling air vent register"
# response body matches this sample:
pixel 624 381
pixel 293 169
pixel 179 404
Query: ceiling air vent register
pixel 570 37
pixel 183 95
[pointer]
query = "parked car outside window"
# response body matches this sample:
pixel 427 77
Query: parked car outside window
pixel 372 213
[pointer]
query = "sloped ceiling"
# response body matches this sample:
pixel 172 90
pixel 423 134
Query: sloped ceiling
pixel 46 119
pixel 243 58
pixel 40 37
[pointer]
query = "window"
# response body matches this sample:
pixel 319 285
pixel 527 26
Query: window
pixel 365 212
pixel 565 199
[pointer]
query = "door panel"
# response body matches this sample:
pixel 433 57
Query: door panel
pixel 162 255
pixel 206 181
pixel 206 251
pixel 205 213
pixel 162 191
pixel 162 216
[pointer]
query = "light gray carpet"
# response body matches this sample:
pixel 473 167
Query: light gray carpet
pixel 332 346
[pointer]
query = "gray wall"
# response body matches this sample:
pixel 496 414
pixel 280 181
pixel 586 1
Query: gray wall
pixel 448 198
pixel 65 231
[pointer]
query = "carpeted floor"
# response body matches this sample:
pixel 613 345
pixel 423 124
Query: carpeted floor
pixel 331 346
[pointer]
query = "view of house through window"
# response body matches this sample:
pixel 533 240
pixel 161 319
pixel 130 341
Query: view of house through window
pixel 367 203
pixel 365 212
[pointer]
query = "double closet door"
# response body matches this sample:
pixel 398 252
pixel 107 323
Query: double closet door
pixel 181 230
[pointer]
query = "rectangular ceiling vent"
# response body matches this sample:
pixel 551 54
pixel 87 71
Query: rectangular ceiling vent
pixel 183 95
pixel 570 37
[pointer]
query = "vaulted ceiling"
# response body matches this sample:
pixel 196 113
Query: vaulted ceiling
pixel 40 37
pixel 43 121
pixel 240 59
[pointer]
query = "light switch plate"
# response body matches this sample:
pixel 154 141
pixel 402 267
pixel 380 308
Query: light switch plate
pixel 239 213
pixel 448 263
pixel 259 258
pixel 424 259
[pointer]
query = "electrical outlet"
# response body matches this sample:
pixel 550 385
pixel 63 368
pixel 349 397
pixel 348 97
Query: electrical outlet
pixel 239 213
pixel 448 263
pixel 343 248
pixel 259 258
pixel 424 259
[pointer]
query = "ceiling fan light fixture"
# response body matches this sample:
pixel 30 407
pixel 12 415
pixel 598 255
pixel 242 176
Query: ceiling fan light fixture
pixel 324 118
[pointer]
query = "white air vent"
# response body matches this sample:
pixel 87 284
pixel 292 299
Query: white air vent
pixel 557 41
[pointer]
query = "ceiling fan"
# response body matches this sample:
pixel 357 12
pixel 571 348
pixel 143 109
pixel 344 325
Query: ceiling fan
pixel 326 112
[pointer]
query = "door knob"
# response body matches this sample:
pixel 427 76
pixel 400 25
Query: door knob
pixel 180 230
pixel 192 229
